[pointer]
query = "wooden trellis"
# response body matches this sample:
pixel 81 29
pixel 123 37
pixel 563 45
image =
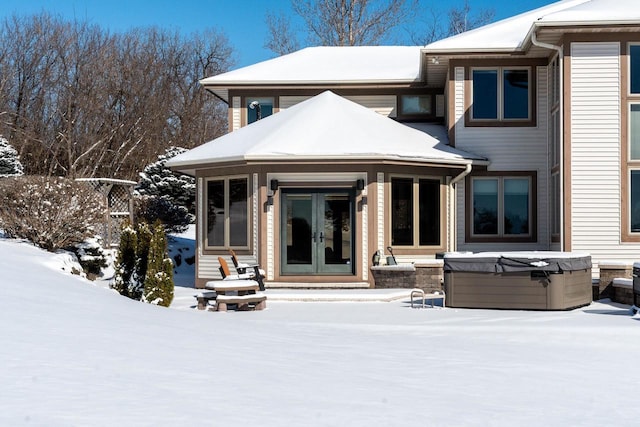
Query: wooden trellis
pixel 118 196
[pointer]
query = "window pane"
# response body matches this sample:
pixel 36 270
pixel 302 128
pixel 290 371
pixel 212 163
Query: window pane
pixel 429 211
pixel 516 94
pixel 238 212
pixel 485 94
pixel 634 60
pixel 485 206
pixel 635 200
pixel 634 132
pixel 215 213
pixel 416 104
pixel 402 211
pixel 516 206
pixel 258 107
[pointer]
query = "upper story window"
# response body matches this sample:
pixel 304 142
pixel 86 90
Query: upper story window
pixel 416 105
pixel 634 68
pixel 501 94
pixel 227 213
pixel 258 108
pixel 415 212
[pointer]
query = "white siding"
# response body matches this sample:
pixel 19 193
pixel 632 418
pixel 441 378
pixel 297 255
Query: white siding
pixel 595 152
pixel 236 108
pixel 508 149
pixel 383 104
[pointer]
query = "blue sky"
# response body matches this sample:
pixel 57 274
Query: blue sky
pixel 241 20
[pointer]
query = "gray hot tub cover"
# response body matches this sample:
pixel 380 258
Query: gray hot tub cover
pixel 492 262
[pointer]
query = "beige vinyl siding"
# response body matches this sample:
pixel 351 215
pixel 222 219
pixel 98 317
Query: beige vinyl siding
pixel 382 104
pixel 508 149
pixel 595 152
pixel 236 108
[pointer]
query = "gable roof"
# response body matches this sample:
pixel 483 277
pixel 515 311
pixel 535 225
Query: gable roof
pixel 326 127
pixel 513 33
pixel 325 65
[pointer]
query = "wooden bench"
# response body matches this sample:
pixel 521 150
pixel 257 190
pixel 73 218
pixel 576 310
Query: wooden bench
pixel 421 294
pixel 258 300
pixel 204 298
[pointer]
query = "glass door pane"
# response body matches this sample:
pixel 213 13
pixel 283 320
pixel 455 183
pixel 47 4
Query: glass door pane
pixel 336 235
pixel 297 233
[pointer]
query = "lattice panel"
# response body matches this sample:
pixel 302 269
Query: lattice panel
pixel 119 199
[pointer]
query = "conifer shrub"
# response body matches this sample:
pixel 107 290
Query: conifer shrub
pixel 144 235
pixel 9 160
pixel 91 257
pixel 158 284
pixel 144 270
pixel 165 195
pixel 124 280
pixel 51 212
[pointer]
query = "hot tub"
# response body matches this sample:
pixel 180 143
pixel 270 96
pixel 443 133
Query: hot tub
pixel 518 280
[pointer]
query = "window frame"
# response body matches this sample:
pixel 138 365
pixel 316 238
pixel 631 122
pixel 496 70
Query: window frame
pixel 501 121
pixel 631 45
pixel 227 225
pixel 500 236
pixel 413 115
pixel 246 100
pixel 416 212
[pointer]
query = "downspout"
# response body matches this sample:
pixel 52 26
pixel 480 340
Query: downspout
pixel 452 206
pixel 560 50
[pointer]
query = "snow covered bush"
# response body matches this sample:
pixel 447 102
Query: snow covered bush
pixel 158 285
pixel 168 196
pixel 9 160
pixel 123 279
pixel 143 269
pixel 176 218
pixel 91 257
pixel 51 212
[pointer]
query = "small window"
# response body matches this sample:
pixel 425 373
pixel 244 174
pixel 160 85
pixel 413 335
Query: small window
pixel 501 94
pixel 485 94
pixel 515 94
pixel 634 132
pixel 634 68
pixel 227 213
pixel 415 212
pixel 635 201
pixel 501 206
pixel 416 105
pixel 258 108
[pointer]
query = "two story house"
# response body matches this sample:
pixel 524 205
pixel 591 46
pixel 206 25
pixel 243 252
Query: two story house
pixel 519 135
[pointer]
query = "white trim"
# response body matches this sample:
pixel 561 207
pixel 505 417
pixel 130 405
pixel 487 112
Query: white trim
pixel 255 216
pixel 365 233
pixel 380 213
pixel 270 241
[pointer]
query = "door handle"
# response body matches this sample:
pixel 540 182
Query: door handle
pixel 321 236
pixel 313 236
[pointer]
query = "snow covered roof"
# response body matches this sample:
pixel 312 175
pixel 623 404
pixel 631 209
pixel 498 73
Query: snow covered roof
pixel 326 65
pixel 326 127
pixel 511 34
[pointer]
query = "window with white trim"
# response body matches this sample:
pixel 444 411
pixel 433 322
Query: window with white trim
pixel 501 94
pixel 227 214
pixel 501 206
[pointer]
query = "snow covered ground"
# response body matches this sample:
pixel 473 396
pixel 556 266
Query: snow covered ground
pixel 73 353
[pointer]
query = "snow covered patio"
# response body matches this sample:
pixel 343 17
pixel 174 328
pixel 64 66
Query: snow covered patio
pixel 75 353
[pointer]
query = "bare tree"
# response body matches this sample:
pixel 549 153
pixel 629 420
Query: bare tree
pixel 78 101
pixel 339 22
pixel 281 37
pixel 461 19
pixel 457 19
